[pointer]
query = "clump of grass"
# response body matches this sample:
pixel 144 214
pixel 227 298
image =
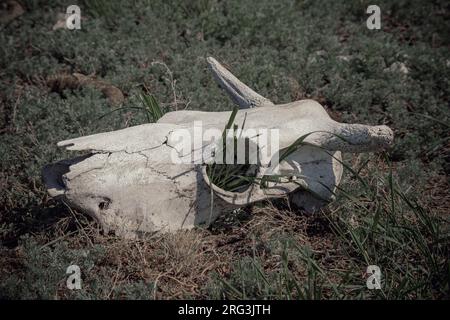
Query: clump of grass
pixel 151 108
pixel 400 235
pixel 108 10
pixel 230 177
pixel 198 6
pixel 391 230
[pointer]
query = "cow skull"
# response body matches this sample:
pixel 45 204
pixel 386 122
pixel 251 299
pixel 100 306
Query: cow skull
pixel 128 181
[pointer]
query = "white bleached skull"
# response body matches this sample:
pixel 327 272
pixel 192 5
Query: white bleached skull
pixel 129 182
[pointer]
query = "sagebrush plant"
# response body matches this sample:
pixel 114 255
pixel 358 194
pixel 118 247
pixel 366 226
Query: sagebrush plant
pixel 391 210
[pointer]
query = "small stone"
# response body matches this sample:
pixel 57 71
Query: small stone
pixel 344 58
pixel 397 67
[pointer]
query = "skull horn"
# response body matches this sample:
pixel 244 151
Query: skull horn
pixel 241 94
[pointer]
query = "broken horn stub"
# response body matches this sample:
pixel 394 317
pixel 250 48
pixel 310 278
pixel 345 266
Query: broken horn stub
pixel 240 93
pixel 359 138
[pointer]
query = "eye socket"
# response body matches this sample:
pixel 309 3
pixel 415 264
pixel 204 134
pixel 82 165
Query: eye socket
pixel 103 205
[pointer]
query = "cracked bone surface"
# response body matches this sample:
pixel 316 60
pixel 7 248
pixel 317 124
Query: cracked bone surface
pixel 129 183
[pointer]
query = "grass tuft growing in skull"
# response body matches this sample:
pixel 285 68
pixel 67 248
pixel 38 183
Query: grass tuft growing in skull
pixel 230 176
